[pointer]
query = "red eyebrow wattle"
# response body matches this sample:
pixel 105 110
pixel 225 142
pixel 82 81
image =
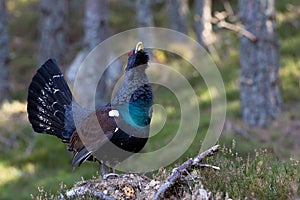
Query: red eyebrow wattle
pixel 130 53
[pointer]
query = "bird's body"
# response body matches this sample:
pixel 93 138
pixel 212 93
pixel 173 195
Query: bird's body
pixel 124 121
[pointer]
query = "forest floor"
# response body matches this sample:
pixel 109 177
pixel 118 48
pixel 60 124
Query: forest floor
pixel 259 163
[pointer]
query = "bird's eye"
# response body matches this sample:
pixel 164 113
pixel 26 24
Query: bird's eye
pixel 130 53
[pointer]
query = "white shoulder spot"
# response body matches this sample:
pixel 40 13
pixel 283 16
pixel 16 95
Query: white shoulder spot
pixel 113 113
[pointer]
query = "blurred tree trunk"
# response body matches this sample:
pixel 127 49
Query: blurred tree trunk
pixel 144 14
pixel 52 30
pixel 74 39
pixel 144 19
pixel 259 62
pixel 178 15
pixel 96 30
pixel 95 23
pixel 4 55
pixel 203 24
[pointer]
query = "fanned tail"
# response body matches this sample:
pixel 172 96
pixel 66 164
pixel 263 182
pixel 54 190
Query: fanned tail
pixel 50 102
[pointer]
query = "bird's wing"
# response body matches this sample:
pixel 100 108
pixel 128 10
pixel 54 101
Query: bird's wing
pixel 93 132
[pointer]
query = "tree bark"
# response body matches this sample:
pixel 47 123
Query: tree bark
pixel 144 14
pixel 95 23
pixel 259 63
pixel 144 19
pixel 96 30
pixel 203 24
pixel 4 55
pixel 96 27
pixel 178 14
pixel 52 30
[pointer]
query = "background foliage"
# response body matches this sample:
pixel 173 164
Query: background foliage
pixel 29 161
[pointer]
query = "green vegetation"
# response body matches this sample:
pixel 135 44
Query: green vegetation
pixel 29 161
pixel 258 176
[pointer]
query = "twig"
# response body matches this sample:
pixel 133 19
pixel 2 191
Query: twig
pixel 177 172
pixel 219 20
pixel 229 10
pixel 241 30
pixel 211 166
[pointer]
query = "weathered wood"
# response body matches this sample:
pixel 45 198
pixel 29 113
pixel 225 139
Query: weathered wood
pixel 219 20
pixel 259 62
pixel 124 186
pixel 135 186
pixel 185 167
pixel 82 191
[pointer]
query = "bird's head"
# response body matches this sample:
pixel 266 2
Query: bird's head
pixel 137 57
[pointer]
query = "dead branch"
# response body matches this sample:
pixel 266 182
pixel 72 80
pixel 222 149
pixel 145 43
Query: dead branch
pixel 125 186
pixel 83 190
pixel 240 30
pixel 219 20
pixel 186 166
pixel 135 186
pixel 229 10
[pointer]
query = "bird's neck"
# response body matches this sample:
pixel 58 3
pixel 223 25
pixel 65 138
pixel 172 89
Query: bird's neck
pixel 133 79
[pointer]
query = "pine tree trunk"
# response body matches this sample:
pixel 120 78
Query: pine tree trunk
pixel 203 24
pixel 95 23
pixel 144 14
pixel 52 30
pixel 178 15
pixel 259 61
pixel 144 19
pixel 4 55
pixel 96 30
pixel 96 27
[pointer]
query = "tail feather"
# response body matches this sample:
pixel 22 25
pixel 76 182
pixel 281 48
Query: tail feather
pixel 81 156
pixel 49 101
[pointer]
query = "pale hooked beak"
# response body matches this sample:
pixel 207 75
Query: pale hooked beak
pixel 138 47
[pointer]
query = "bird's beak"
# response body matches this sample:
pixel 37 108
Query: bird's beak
pixel 138 47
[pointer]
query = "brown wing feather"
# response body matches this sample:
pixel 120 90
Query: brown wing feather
pixel 92 133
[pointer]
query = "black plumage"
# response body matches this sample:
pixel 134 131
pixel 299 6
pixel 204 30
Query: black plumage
pixel 124 121
pixel 49 102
